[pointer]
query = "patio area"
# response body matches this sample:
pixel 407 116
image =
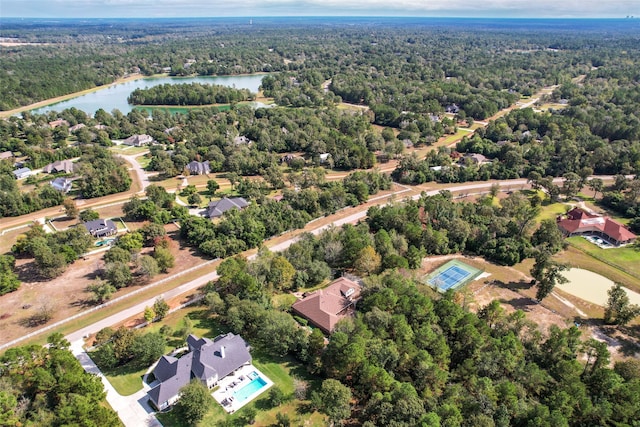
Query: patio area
pixel 600 241
pixel 240 388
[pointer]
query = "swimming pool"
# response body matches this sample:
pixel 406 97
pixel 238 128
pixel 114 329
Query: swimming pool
pixel 256 384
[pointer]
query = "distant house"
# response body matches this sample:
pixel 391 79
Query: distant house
pixel 198 168
pixel 138 140
pixel 22 173
pixel 77 127
pixel 578 222
pixel 324 157
pixel 217 209
pixel 208 361
pixel 242 140
pixel 100 127
pixel 453 108
pixel 325 307
pixel 6 155
pixel 101 227
pixel 60 122
pixel 65 166
pixel 476 158
pixel 61 184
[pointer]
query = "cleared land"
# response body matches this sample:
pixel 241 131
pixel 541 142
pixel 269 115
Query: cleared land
pixel 591 286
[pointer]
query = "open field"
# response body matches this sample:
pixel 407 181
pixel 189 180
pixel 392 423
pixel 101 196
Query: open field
pixel 67 294
pixel 592 287
pixel 626 259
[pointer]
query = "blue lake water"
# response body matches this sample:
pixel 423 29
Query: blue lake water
pixel 115 97
pixel 246 391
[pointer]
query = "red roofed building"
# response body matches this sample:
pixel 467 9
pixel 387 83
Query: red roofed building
pixel 325 307
pixel 578 222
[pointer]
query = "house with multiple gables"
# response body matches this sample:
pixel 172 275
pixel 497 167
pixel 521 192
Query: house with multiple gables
pixel 65 166
pixel 138 140
pixel 326 307
pixel 101 227
pixel 578 222
pixel 62 184
pixel 198 168
pixel 206 360
pixel 217 209
pixel 60 122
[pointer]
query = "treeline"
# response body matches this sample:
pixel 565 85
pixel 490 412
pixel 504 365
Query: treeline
pixel 46 385
pixel 246 229
pixel 412 358
pixel 53 252
pixel 188 94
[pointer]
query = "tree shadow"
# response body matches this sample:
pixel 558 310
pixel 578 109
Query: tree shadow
pixel 524 303
pixel 514 286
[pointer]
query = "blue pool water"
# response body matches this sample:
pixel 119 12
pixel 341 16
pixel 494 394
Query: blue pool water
pixel 242 394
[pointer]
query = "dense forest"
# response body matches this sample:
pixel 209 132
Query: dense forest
pixel 47 386
pixel 188 94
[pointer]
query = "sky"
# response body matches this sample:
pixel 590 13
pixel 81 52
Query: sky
pixel 257 8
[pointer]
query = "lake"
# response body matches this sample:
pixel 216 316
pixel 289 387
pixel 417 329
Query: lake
pixel 115 97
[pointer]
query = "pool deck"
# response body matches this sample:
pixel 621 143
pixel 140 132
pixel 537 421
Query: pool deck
pixel 240 378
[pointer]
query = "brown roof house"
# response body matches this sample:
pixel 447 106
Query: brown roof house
pixel 138 140
pixel 325 307
pixel 59 166
pixel 578 221
pixel 208 361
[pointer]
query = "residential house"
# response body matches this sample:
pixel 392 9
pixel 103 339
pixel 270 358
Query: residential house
pixel 138 140
pixel 65 166
pixel 60 122
pixel 6 155
pixel 22 173
pixel 578 222
pixel 100 127
pixel 198 168
pixel 208 361
pixel 242 140
pixel 453 108
pixel 324 157
pixel 61 184
pixel 218 208
pixel 476 158
pixel 77 127
pixel 325 307
pixel 101 227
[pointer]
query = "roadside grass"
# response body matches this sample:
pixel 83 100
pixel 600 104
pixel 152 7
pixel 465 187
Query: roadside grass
pixel 449 139
pixel 626 259
pixel 128 149
pixel 143 161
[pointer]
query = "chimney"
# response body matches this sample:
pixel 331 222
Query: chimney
pixel 222 352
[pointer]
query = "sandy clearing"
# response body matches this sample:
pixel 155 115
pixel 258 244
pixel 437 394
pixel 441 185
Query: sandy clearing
pixel 591 286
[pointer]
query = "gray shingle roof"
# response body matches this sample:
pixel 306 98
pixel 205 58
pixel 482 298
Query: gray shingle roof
pixel 216 209
pixel 206 359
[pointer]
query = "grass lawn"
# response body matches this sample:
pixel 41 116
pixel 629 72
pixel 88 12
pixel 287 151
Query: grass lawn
pixel 143 161
pixel 283 300
pixel 626 259
pixel 128 149
pixel 125 379
pixel 551 211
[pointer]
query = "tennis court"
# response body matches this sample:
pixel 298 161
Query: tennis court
pixel 452 275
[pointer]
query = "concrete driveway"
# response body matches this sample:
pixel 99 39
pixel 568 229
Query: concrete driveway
pixel 133 411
